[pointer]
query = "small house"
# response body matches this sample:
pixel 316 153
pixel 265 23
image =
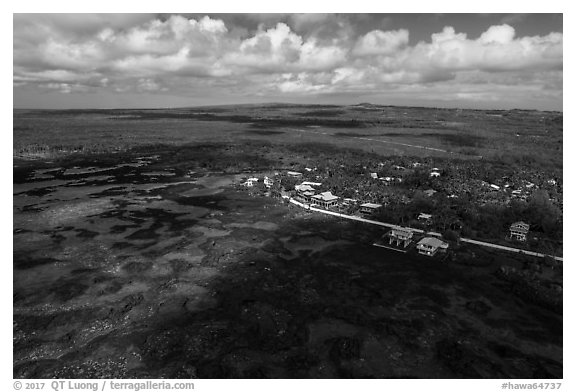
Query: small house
pixel 348 201
pixel 250 182
pixel 429 246
pixel 268 182
pixel 311 183
pixel 304 188
pixel 369 208
pixel 519 231
pixel 294 174
pixel 430 192
pixel 325 200
pixel 306 196
pixel 374 175
pixel 424 217
pixel 400 236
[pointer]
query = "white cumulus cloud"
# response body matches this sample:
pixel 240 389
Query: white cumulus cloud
pixel 153 54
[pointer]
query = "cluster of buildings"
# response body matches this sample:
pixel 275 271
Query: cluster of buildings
pixel 429 246
pixel 253 181
pixel 400 237
pixel 306 193
pixel 387 180
pixel 522 192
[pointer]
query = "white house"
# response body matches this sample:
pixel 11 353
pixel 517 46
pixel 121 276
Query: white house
pixel 325 199
pixel 424 217
pixel 304 188
pixel 268 182
pixel 519 230
pixel 250 182
pixel 400 235
pixel 348 201
pixel 294 174
pixel 429 246
pixel 369 208
pixel 311 183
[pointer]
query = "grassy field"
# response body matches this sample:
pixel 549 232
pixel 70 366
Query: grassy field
pixel 517 136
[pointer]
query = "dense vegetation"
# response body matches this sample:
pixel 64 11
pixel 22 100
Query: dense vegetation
pixel 510 136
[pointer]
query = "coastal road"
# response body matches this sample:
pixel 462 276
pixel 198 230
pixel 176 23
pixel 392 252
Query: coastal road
pixel 516 250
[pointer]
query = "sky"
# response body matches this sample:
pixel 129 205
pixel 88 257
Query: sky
pixel 481 61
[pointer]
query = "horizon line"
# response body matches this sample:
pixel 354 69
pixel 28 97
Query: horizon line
pixel 287 104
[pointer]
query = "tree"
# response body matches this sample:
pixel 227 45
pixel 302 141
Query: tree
pixel 543 214
pixel 275 189
pixel 289 183
pixel 421 202
pixel 451 235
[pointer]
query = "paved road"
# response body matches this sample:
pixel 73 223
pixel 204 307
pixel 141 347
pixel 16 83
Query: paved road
pixel 495 246
pixel 389 225
pixel 351 217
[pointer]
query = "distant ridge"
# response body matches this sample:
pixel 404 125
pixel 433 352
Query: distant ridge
pixel 280 105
